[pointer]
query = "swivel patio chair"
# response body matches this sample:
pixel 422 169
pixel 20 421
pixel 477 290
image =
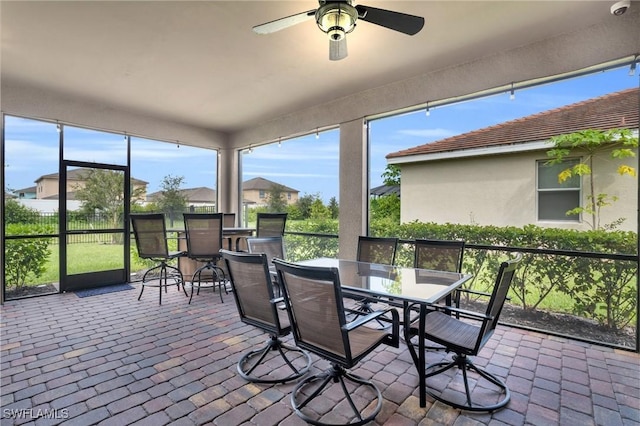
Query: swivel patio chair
pixel 377 250
pixel 150 234
pixel 466 338
pixel 267 225
pixel 313 296
pixel 380 250
pixel 273 248
pixel 204 241
pixel 258 306
pixel 271 224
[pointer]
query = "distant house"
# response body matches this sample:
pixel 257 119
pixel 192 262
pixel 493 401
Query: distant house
pixel 26 193
pixel 382 190
pixel 47 185
pixel 257 191
pixel 498 176
pixel 200 196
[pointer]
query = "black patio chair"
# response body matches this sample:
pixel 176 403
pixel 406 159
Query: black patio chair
pixel 313 296
pixel 273 248
pixel 381 250
pixel 258 306
pixel 466 337
pixel 228 221
pixel 271 224
pixel 150 234
pixel 204 241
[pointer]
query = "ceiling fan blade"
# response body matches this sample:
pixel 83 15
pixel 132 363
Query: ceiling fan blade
pixel 338 49
pixel 402 22
pixel 282 23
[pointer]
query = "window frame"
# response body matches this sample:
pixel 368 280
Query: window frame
pixel 569 219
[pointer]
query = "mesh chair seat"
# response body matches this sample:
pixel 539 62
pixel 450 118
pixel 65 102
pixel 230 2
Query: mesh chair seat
pixel 460 334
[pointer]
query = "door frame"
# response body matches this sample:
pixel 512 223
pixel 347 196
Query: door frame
pixel 98 278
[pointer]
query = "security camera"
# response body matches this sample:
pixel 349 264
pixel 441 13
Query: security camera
pixel 620 7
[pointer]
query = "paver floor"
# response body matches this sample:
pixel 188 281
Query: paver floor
pixel 113 360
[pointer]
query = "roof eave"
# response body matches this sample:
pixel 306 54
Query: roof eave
pixel 473 152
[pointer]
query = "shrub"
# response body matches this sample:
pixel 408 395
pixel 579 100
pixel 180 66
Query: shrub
pixel 25 257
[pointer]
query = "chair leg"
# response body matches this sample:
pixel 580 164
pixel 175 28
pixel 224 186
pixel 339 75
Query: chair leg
pixel 163 279
pixel 465 364
pixel 216 278
pixel 252 359
pixel 336 374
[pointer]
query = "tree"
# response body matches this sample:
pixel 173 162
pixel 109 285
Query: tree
pixel 276 201
pixel 620 144
pixel 103 192
pixel 334 209
pixel 391 175
pixel 171 201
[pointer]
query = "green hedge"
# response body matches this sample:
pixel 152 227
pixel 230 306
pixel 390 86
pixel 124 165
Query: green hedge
pixel 601 289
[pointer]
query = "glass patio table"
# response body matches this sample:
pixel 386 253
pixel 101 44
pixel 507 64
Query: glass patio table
pixel 398 286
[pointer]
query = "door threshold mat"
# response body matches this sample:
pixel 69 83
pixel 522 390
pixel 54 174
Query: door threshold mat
pixel 103 290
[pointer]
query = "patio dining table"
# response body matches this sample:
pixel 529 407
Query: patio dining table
pixel 398 286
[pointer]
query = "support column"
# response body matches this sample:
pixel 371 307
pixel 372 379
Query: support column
pixel 353 187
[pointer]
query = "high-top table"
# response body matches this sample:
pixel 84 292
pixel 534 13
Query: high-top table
pixel 401 287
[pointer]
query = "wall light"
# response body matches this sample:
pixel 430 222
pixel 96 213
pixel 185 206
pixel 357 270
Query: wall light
pixel 427 112
pixel 512 95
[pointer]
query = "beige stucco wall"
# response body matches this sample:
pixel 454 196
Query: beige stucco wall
pixel 253 195
pixel 501 190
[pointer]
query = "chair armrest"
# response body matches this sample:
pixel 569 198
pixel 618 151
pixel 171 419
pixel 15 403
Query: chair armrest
pixel 462 312
pixel 363 319
pixel 479 293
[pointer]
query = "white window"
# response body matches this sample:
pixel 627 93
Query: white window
pixel 555 199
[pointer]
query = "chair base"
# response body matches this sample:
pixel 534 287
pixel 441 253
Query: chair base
pixel 335 374
pixel 219 278
pixel 167 272
pixel 465 365
pixel 253 359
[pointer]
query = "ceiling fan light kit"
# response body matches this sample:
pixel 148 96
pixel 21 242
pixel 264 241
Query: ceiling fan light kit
pixel 338 18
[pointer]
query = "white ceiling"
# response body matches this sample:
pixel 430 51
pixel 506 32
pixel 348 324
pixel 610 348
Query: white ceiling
pixel 198 63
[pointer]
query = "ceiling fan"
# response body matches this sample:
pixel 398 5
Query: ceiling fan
pixel 338 18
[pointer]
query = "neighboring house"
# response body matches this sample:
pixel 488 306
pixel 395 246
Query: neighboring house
pixel 201 196
pixel 257 190
pixel 26 193
pixel 382 190
pixel 47 185
pixel 498 176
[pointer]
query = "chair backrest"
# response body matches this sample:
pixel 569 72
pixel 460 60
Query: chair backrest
pixel 498 296
pixel 228 220
pixel 440 255
pixel 204 235
pixel 253 291
pixel 271 224
pixel 273 247
pixel 150 233
pixel 314 302
pixel 377 250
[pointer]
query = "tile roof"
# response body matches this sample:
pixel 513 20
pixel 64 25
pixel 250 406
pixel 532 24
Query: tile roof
pixel 614 110
pixel 259 183
pixel 79 174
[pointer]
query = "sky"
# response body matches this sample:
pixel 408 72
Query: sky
pixel 308 164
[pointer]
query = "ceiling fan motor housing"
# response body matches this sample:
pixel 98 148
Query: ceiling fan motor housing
pixel 336 18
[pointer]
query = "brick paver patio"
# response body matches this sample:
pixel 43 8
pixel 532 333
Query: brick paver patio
pixel 113 360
